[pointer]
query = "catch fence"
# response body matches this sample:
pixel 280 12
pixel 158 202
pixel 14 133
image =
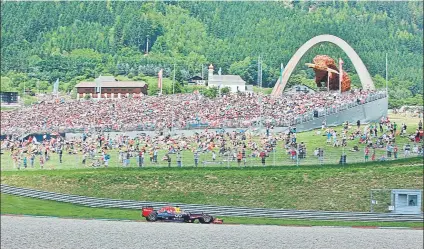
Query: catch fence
pixel 279 156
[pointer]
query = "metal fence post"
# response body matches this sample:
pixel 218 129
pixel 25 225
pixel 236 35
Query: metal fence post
pixel 297 155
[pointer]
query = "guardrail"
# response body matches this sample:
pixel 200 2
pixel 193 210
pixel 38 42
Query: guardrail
pixel 210 209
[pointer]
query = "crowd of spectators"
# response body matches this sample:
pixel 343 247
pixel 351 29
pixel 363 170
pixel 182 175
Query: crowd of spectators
pixel 381 135
pixel 94 149
pixel 182 111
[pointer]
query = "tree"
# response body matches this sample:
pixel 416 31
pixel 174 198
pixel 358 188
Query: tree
pixel 5 85
pixel 225 90
pixel 210 92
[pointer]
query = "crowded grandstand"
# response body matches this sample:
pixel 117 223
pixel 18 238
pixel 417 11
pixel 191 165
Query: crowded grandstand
pixel 182 111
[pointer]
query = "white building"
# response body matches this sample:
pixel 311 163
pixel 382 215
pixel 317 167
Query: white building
pixel 234 82
pixel 299 89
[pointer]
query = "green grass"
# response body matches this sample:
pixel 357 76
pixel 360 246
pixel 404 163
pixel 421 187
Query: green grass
pixel 7 108
pixel 23 205
pixel 29 206
pixel 306 188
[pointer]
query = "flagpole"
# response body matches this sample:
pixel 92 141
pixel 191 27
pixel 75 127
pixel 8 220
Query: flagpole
pixel 328 81
pixel 147 45
pixel 260 92
pixel 201 72
pixel 387 79
pixel 161 81
pixel 340 75
pixel 173 82
pixel 173 92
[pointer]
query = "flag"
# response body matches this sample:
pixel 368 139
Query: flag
pixel 56 87
pixel 160 80
pixel 98 84
pixel 281 73
pixel 340 73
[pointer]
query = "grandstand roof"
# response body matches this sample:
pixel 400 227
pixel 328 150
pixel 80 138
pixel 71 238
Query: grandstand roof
pixel 118 84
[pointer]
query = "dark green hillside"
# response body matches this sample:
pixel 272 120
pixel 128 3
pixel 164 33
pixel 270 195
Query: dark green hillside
pixel 78 40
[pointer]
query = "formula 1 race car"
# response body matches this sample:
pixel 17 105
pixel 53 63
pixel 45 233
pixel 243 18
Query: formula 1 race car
pixel 175 214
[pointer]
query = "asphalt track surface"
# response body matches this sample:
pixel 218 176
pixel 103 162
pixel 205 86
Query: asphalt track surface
pixel 33 232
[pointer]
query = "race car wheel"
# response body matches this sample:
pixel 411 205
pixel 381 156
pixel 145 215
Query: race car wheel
pixel 153 216
pixel 206 219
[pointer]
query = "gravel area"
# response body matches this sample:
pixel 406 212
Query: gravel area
pixel 33 232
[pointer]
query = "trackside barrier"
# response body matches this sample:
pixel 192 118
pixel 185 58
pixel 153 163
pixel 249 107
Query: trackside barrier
pixel 213 210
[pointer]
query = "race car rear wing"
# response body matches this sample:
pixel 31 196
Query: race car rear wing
pixel 145 211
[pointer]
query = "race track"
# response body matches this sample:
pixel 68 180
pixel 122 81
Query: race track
pixel 31 232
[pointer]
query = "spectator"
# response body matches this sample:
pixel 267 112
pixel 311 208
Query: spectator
pixel 60 155
pixel 243 155
pixel 415 149
pixel 25 161
pixel 179 159
pixel 106 159
pixel 196 158
pixel 41 162
pixel 32 159
pixel 155 155
pixel 394 128
pixel 140 158
pixel 151 155
pixel 321 155
pixel 127 159
pixel 293 154
pixel 389 150
pixel 395 151
pixel 329 137
pixel 407 150
pixel 84 158
pixel 262 155
pixel 239 157
pixel 367 152
pixel 342 160
pixel 168 158
pixel 355 148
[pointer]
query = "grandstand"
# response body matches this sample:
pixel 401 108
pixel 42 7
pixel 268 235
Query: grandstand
pixel 192 111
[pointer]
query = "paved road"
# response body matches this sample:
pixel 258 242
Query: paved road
pixel 31 232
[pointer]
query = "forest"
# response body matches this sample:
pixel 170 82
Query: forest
pixel 74 41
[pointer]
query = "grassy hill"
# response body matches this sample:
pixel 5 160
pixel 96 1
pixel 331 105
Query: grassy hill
pixel 16 205
pixel 73 41
pixel 311 188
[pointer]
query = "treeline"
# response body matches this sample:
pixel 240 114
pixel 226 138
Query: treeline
pixel 72 41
